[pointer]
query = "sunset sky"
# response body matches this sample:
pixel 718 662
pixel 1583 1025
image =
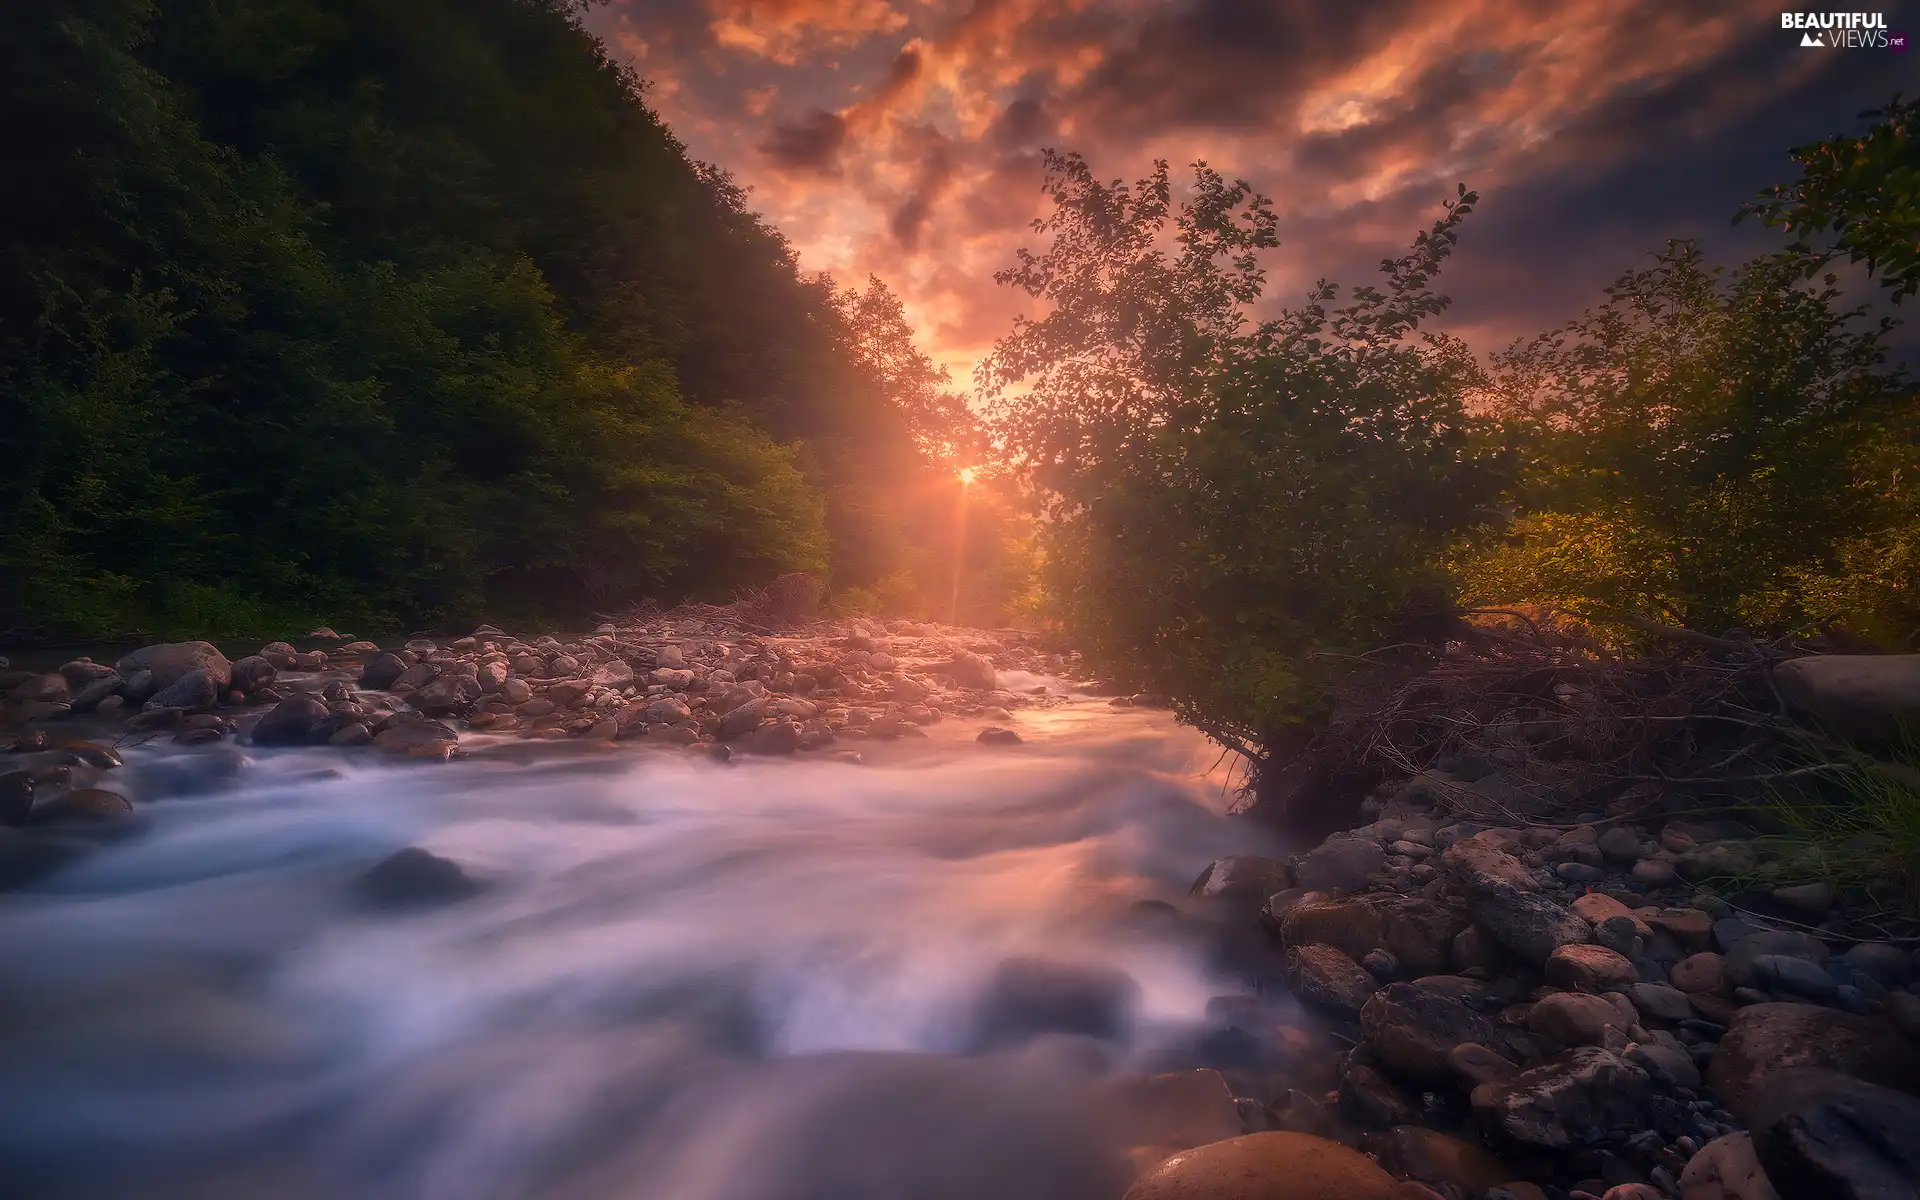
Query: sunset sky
pixel 901 138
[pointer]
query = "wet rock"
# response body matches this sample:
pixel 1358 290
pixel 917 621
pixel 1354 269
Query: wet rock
pixel 741 720
pixel 1340 864
pixel 1764 1038
pixel 1808 899
pixel 1741 961
pixel 1409 1030
pixel 289 722
pixel 613 674
pixel 1667 1062
pixel 448 695
pixel 355 733
pixel 1325 978
pixel 1479 864
pixel 1242 880
pixel 1432 1157
pixel 1530 925
pixel 1726 1168
pixel 90 696
pixel 16 797
pixel 1420 934
pixel 1884 963
pixel 1655 873
pixel 1267 1166
pixel 1586 968
pixel 775 737
pixel 1690 927
pixel 84 806
pixel 1718 860
pixel 972 670
pixel 1030 996
pixel 1620 844
pixel 382 672
pixel 1822 1134
pixel 417 676
pixel 414 878
pixel 252 673
pixel 1576 1019
pixel 516 691
pixel 1660 1002
pixel 1781 973
pixel 1475 950
pixel 993 735
pixel 194 691
pixel 1702 972
pixel 1595 907
pixel 422 738
pixel 1549 1105
pixel 1372 1101
pixel 168 661
pixel 1475 1064
pixel 1353 926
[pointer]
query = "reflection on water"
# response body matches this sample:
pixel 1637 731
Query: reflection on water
pixel 764 981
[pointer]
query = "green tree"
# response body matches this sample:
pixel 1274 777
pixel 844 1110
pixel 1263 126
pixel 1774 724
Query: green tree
pixel 1233 502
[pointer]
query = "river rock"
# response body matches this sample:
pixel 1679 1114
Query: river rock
pixel 993 735
pixel 48 688
pixel 89 697
pixel 1883 962
pixel 907 690
pixel 1432 1157
pixel 448 695
pixel 1741 961
pixel 414 878
pixel 417 676
pixel 382 672
pixel 1576 1019
pixel 1479 864
pixel 1340 864
pixel 170 660
pixel 1549 1105
pixel 1863 697
pixel 1327 979
pixel 82 671
pixel 1366 1097
pixel 194 691
pixel 1666 1061
pixel 1267 1166
pixel 1586 968
pixel 742 720
pixel 1822 1134
pixel 252 673
pixel 1660 1002
pixel 1242 881
pixel 89 806
pixel 615 673
pixel 1595 907
pixel 516 691
pixel 972 670
pixel 1764 1038
pixel 1703 972
pixel 1474 1064
pixel 775 737
pixel 289 722
pixel 420 738
pixel 1409 1030
pixel 1528 924
pixel 1354 925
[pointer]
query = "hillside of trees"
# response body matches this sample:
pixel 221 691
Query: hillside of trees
pixel 398 313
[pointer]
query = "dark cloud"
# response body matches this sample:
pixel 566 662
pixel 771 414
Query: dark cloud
pixel 1594 129
pixel 809 144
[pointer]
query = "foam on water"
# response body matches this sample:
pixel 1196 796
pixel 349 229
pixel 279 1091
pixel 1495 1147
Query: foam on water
pixel 765 981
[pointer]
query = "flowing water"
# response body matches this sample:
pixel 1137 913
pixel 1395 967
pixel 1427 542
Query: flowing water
pixel 682 980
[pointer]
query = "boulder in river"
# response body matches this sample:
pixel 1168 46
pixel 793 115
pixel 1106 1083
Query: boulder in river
pixel 1327 979
pixel 1410 1029
pixel 414 878
pixel 1551 1104
pixel 1267 1166
pixel 972 670
pixel 1529 924
pixel 194 691
pixel 252 673
pixel 289 722
pixel 418 738
pixel 170 660
pixel 83 806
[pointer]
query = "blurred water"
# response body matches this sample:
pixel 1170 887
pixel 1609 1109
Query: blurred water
pixel 764 981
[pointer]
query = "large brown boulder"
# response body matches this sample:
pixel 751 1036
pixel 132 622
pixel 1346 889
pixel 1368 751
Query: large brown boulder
pixel 1419 933
pixel 170 660
pixel 1267 1166
pixel 1526 923
pixel 1352 926
pixel 1325 978
pixel 1764 1038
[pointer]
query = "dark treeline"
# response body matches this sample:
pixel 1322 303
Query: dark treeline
pixel 399 312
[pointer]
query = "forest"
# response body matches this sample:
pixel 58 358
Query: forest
pixel 403 314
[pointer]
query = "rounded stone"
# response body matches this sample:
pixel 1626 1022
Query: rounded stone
pixel 1588 968
pixel 1267 1166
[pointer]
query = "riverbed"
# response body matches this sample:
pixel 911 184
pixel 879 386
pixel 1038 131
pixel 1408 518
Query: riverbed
pixel 918 975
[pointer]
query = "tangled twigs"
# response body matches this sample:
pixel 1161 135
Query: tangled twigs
pixel 1533 720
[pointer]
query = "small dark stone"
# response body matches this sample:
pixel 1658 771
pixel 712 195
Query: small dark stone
pixel 993 735
pixel 381 673
pixel 289 722
pixel 414 878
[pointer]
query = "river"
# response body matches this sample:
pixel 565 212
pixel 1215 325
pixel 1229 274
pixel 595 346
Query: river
pixel 915 976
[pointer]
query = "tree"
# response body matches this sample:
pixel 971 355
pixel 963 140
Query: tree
pixel 1862 194
pixel 1234 503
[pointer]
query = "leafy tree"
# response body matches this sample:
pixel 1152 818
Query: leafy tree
pixel 1694 448
pixel 1234 503
pixel 1860 194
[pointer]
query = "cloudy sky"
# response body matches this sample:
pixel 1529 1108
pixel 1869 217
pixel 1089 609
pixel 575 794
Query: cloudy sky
pixel 901 138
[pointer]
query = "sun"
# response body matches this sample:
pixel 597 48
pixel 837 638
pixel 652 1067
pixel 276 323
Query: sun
pixel 968 474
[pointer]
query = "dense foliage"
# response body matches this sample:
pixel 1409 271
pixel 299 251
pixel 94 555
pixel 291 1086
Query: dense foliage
pixel 1706 449
pixel 402 311
pixel 1233 500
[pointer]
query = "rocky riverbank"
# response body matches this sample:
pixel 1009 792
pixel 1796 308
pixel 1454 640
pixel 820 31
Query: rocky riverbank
pixel 1565 1012
pixel 700 685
